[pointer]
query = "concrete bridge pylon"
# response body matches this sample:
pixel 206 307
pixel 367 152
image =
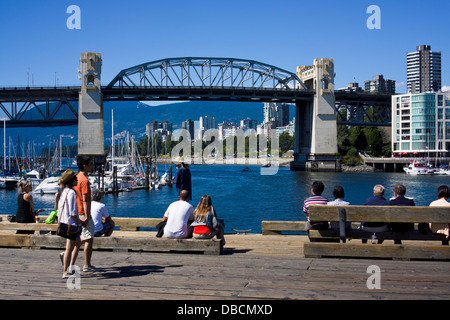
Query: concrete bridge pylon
pixel 316 127
pixel 90 110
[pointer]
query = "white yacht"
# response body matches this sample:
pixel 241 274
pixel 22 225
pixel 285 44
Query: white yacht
pixel 49 185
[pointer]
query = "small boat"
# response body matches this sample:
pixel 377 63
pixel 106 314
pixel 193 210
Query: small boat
pixel 34 177
pixel 164 179
pixel 246 169
pixel 48 186
pixel 415 169
pixel 9 182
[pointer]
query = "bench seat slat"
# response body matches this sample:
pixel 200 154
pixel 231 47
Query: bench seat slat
pixel 388 235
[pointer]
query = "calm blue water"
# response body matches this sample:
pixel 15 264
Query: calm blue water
pixel 244 199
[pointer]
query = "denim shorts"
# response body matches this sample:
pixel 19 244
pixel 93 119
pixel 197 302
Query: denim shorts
pixel 106 228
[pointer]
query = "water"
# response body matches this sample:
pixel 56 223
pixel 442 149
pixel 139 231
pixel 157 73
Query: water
pixel 244 199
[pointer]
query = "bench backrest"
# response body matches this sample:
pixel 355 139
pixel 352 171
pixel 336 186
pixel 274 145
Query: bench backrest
pixel 381 213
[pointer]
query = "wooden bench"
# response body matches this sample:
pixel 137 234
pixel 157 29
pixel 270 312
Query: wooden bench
pixel 415 245
pixel 130 239
pixel 123 224
pixel 277 227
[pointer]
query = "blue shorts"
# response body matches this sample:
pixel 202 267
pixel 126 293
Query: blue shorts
pixel 106 228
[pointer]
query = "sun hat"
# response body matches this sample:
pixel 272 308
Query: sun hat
pixel 67 175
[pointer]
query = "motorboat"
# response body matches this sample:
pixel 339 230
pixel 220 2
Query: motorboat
pixel 415 168
pixel 9 182
pixel 48 186
pixel 34 177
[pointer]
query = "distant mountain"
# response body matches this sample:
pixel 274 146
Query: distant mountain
pixel 132 116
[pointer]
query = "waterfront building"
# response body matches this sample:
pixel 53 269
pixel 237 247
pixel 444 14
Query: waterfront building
pixel 189 126
pixel 206 123
pixel 248 123
pixel 352 87
pixel 276 113
pixel 227 130
pixel 150 128
pixel 290 128
pixel 163 129
pixel 423 70
pixel 421 123
pixel 379 85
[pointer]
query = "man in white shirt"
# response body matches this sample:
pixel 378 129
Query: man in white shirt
pixel 99 212
pixel 179 215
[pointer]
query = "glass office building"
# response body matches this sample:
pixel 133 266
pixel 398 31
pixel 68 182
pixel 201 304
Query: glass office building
pixel 421 123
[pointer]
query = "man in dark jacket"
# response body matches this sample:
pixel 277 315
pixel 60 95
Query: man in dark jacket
pixel 401 200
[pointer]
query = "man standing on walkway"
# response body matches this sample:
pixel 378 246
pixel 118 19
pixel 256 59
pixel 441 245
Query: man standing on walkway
pixel 83 191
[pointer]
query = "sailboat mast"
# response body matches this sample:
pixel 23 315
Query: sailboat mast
pixel 4 144
pixel 112 132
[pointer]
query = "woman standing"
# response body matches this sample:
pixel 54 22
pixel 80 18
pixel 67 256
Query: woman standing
pixel 68 214
pixel 206 224
pixel 25 206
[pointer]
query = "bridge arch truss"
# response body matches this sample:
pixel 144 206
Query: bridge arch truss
pixel 200 72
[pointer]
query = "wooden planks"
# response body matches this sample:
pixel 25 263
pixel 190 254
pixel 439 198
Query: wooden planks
pixel 238 275
pixel 406 252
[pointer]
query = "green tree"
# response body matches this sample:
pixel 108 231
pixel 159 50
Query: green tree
pixel 286 142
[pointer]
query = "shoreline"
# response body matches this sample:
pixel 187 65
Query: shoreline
pixel 280 162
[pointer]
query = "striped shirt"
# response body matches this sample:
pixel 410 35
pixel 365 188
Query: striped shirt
pixel 313 200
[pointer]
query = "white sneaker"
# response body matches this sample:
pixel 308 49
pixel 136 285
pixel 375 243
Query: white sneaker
pixel 91 269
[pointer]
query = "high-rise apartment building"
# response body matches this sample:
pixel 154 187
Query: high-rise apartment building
pixel 423 70
pixel 205 123
pixel 379 85
pixel 189 126
pixel 276 113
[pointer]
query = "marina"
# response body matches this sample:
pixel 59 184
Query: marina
pixel 245 198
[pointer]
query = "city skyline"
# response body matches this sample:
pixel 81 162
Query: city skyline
pixel 42 50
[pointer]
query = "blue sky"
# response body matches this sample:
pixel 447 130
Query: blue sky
pixel 284 33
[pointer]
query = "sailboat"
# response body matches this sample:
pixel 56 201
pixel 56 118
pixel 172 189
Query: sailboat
pixel 7 181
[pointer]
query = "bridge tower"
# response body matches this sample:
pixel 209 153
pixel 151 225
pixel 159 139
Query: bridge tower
pixel 315 121
pixel 90 109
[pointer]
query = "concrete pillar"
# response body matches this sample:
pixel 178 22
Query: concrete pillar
pixel 316 127
pixel 90 108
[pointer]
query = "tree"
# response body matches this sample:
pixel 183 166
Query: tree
pixel 286 142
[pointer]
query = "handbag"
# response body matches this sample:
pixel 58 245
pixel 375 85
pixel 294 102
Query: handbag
pixel 66 230
pixel 52 217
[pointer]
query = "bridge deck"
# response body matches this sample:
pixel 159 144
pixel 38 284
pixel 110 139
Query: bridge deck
pixel 252 267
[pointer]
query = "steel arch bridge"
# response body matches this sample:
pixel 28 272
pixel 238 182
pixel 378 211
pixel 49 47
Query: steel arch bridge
pixel 187 79
pixel 201 72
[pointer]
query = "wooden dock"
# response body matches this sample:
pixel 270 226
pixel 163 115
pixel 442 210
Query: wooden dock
pixel 252 266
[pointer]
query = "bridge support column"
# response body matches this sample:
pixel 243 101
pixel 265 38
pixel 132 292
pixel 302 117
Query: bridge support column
pixel 90 109
pixel 316 127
